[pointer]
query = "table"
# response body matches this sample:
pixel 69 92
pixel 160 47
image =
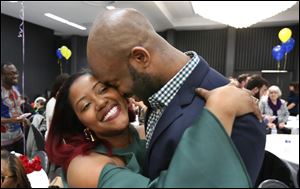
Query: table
pixel 293 124
pixel 284 146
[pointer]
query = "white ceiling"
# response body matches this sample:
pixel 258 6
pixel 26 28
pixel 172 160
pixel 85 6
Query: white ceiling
pixel 163 15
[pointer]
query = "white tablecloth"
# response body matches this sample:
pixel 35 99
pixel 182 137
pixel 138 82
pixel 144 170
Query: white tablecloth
pixel 38 179
pixel 284 146
pixel 293 124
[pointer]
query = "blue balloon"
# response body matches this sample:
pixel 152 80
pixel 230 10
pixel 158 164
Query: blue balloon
pixel 278 52
pixel 58 54
pixel 289 45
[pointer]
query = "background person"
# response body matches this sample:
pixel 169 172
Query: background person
pixel 257 85
pixel 275 110
pixel 59 80
pixel 293 99
pixel 13 174
pixel 11 124
pixel 243 80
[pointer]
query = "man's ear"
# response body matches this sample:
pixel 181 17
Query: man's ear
pixel 139 57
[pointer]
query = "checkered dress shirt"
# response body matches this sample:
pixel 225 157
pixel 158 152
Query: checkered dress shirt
pixel 161 99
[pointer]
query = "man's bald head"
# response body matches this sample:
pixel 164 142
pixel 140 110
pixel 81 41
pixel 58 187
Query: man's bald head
pixel 115 32
pixel 125 52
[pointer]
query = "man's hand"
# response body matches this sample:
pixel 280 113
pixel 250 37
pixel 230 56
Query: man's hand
pixel 281 125
pixel 137 104
pixel 271 125
pixel 228 102
pixel 26 122
pixel 23 120
pixel 16 120
pixel 235 100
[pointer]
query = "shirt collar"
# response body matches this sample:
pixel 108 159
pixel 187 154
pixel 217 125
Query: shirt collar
pixel 164 96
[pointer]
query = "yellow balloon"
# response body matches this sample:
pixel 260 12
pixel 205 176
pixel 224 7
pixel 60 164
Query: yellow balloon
pixel 284 35
pixel 68 54
pixel 63 51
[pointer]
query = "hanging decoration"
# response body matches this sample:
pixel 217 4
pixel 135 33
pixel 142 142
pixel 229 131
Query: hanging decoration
pixel 66 52
pixel 287 45
pixel 284 34
pixel 278 53
pixel 63 53
pixel 21 34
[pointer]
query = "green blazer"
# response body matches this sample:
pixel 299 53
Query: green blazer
pixel 205 157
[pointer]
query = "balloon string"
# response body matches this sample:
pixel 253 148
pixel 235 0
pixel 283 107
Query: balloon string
pixel 21 26
pixel 21 34
pixel 285 58
pixel 60 64
pixel 278 67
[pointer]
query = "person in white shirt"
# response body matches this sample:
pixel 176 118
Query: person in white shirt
pixel 51 103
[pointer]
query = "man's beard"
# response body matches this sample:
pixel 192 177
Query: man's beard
pixel 11 82
pixel 143 85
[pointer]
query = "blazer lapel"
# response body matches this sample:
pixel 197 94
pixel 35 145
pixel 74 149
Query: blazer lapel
pixel 184 97
pixel 170 114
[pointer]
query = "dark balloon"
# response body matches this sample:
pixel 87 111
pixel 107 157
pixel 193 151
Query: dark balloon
pixel 278 52
pixel 58 54
pixel 289 45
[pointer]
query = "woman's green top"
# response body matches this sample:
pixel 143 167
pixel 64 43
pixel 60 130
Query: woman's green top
pixel 205 157
pixel 133 154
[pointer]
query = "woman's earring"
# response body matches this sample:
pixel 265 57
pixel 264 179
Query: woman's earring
pixel 88 135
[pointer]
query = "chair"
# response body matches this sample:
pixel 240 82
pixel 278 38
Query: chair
pixel 294 169
pixel 39 121
pixel 274 168
pixel 272 183
pixel 34 142
pixel 54 171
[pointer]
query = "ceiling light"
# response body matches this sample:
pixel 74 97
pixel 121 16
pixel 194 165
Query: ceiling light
pixel 110 7
pixel 57 18
pixel 99 3
pixel 274 71
pixel 240 14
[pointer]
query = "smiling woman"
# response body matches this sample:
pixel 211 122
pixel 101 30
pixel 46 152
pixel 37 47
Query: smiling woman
pixel 91 138
pixel 89 115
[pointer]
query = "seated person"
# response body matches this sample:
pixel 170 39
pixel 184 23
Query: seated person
pixel 13 174
pixel 90 137
pixel 293 99
pixel 40 105
pixel 39 119
pixel 275 111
